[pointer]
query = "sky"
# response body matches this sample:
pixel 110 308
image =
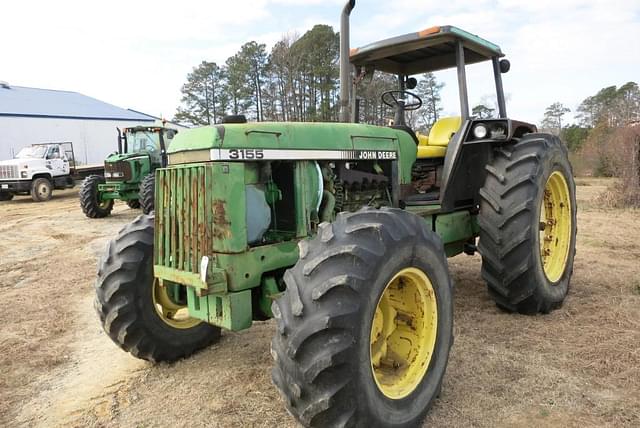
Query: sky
pixel 136 54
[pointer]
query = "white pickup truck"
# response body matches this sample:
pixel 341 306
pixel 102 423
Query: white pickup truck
pixel 40 168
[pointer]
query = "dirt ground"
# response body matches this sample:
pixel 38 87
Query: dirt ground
pixel 579 366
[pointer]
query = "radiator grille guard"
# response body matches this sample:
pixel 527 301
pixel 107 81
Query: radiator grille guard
pixel 183 217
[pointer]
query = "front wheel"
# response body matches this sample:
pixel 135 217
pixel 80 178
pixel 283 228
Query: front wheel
pixel 365 325
pixel 6 196
pixel 147 192
pixel 148 319
pixel 41 190
pixel 528 225
pixel 91 201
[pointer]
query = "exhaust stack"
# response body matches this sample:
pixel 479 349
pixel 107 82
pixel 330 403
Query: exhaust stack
pixel 345 81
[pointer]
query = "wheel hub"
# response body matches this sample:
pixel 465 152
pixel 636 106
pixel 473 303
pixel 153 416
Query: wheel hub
pixel 169 311
pixel 555 226
pixel 403 333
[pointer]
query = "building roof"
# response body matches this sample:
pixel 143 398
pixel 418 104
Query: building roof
pixel 34 102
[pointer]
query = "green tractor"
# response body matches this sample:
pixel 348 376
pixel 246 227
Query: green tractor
pixel 128 173
pixel 330 229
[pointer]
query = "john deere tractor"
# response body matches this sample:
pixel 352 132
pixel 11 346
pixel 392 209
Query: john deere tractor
pixel 128 172
pixel 341 232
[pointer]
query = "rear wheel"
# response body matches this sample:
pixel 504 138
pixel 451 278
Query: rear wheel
pixel 140 315
pixel 6 196
pixel 147 191
pixel 91 202
pixel 365 325
pixel 528 225
pixel 41 190
pixel 133 204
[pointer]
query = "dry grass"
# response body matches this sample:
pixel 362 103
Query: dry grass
pixel 579 366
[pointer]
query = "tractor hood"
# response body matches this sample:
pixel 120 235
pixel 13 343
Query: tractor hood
pixel 292 140
pixel 118 157
pixel 283 135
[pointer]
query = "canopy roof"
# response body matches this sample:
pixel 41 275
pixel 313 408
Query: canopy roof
pixel 425 51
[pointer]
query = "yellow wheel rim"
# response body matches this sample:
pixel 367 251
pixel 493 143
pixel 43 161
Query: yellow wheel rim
pixel 403 333
pixel 173 314
pixel 555 226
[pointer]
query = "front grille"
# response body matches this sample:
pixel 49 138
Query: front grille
pixel 123 167
pixel 182 207
pixel 8 172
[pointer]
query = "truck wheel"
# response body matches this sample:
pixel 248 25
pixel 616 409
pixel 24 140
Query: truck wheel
pixel 134 204
pixel 6 196
pixel 41 190
pixel 138 314
pixel 90 201
pixel 528 225
pixel 147 192
pixel 365 325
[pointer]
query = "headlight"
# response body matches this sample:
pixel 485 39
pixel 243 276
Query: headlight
pixel 480 131
pixel 24 174
pixel 107 175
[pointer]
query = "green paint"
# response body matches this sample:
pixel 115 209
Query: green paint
pixel 454 227
pixel 201 210
pixel 297 135
pixel 268 293
pixel 231 310
pixel 215 281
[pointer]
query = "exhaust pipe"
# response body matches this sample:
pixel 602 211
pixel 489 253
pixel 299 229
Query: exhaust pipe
pixel 345 65
pixel 119 141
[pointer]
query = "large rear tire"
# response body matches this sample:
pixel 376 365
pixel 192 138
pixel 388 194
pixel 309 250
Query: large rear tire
pixel 135 311
pixel 528 225
pixel 92 205
pixel 365 324
pixel 147 192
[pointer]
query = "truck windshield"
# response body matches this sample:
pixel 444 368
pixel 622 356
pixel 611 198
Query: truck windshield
pixel 32 152
pixel 142 141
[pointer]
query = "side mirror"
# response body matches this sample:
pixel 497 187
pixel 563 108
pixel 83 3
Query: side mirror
pixel 505 66
pixel 411 83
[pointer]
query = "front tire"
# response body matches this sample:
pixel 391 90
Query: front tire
pixel 6 196
pixel 147 192
pixel 527 225
pixel 365 285
pixel 92 204
pixel 41 190
pixel 135 311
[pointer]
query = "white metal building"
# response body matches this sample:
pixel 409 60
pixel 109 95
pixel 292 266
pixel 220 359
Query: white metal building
pixel 31 115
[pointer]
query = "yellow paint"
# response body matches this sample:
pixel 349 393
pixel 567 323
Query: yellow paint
pixel 403 333
pixel 555 226
pixel 176 316
pixel 435 144
pixel 431 152
pixel 442 131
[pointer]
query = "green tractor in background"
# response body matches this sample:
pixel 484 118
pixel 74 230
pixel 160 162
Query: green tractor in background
pixel 341 232
pixel 129 173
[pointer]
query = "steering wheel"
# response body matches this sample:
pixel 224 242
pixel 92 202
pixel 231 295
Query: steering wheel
pixel 395 97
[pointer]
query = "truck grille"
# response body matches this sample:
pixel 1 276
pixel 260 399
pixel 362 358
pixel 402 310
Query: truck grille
pixel 183 209
pixel 8 172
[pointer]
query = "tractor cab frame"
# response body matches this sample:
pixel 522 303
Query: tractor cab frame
pixel 465 143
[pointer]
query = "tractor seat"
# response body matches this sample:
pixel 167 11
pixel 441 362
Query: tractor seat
pixel 435 145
